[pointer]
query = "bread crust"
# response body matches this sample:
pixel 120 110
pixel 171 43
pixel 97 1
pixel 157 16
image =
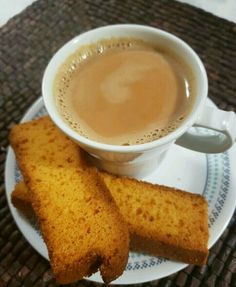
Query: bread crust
pixel 80 222
pixel 162 221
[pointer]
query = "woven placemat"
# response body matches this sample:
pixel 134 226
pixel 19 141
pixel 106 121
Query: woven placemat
pixel 27 43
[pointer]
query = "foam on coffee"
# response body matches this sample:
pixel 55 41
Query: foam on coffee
pixel 124 91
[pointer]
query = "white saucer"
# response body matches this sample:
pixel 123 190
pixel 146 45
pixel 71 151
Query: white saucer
pixel 214 176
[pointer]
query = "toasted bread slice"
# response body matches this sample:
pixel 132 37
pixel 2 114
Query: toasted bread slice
pixel 162 221
pixel 80 222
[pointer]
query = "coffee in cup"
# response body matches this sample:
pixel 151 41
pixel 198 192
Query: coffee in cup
pixel 123 156
pixel 124 91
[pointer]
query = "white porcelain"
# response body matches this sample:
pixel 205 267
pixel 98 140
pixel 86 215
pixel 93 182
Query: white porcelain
pixel 140 159
pixel 212 175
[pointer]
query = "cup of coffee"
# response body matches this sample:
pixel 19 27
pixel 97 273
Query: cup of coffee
pixel 126 93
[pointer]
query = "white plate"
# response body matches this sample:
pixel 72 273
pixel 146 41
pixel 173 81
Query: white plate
pixel 214 176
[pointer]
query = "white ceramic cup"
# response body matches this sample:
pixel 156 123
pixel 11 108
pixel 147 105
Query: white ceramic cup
pixel 139 160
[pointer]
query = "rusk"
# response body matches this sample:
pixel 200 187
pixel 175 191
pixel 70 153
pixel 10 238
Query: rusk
pixel 162 221
pixel 80 222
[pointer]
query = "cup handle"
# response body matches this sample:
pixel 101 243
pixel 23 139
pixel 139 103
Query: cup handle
pixel 223 125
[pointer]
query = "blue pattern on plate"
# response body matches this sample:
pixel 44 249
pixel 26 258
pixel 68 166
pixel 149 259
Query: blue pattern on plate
pixel 219 166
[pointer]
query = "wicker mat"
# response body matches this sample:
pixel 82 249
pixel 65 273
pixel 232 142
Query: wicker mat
pixel 27 43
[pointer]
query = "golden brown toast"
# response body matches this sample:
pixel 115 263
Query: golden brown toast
pixel 80 222
pixel 162 221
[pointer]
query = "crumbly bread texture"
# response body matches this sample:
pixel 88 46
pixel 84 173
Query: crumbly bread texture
pixel 80 222
pixel 162 221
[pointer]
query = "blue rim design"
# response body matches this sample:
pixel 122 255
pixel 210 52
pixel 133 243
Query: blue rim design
pixel 215 170
pixel 218 175
pixel 143 264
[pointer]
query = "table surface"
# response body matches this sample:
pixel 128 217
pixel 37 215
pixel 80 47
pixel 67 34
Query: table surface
pixel 223 8
pixel 28 41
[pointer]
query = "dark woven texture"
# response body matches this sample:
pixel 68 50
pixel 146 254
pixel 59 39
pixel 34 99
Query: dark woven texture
pixel 27 43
